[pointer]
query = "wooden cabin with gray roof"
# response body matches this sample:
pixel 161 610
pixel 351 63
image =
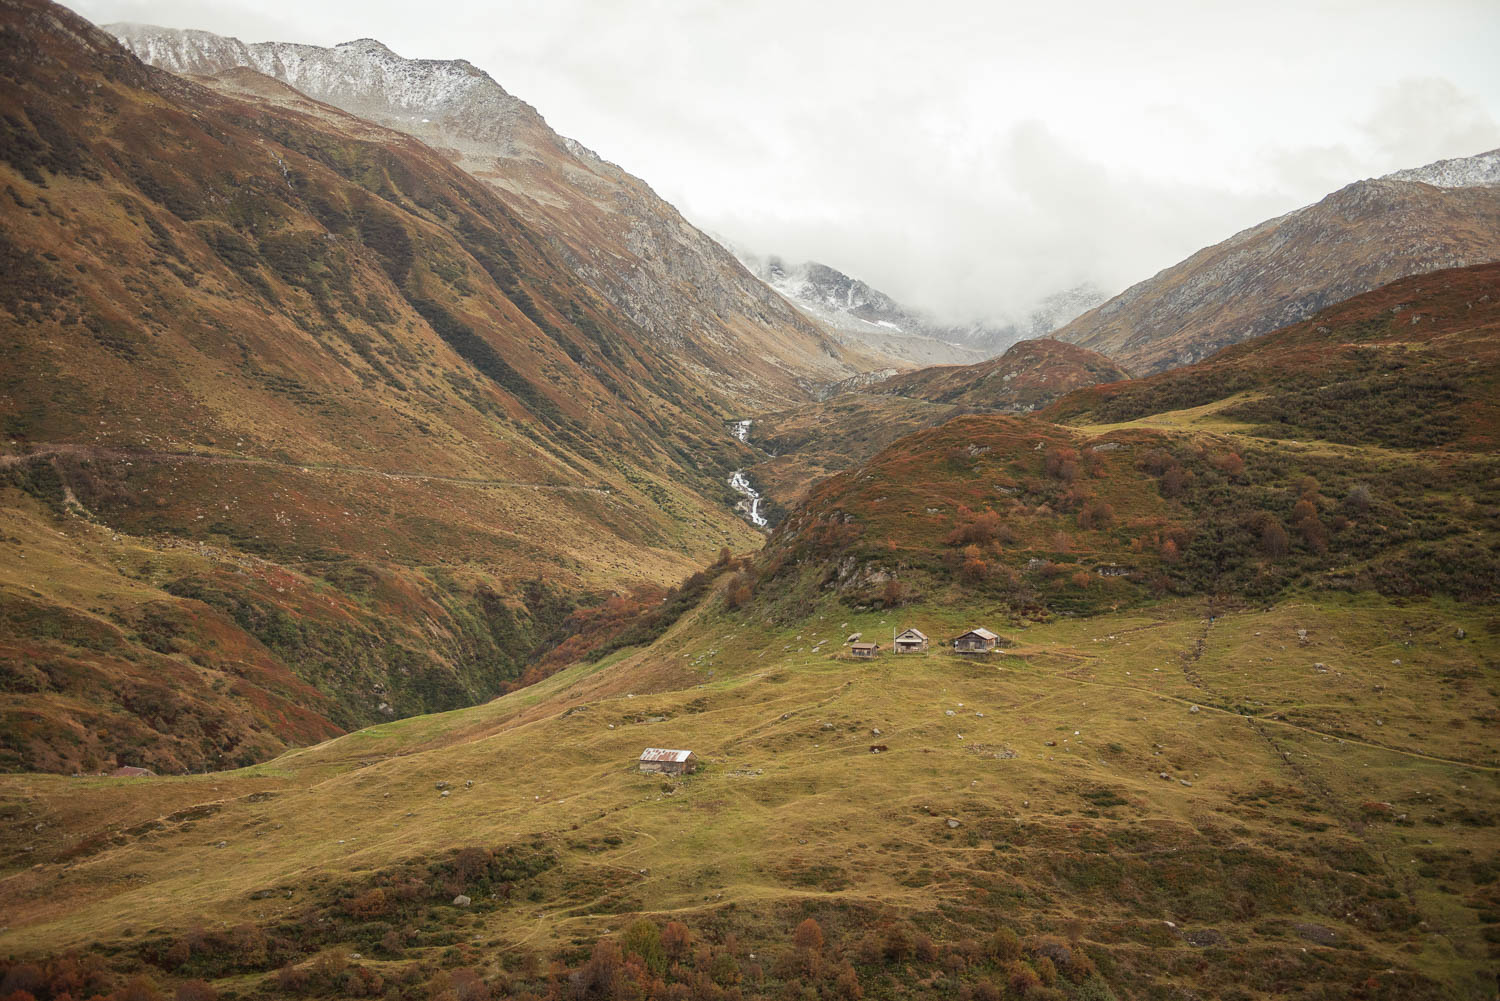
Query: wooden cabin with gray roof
pixel 665 761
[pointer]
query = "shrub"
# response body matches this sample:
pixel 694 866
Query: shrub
pixel 1004 945
pixel 1021 978
pixel 1096 514
pixel 974 528
pixel 808 935
pixel 1273 539
pixel 676 940
pixel 643 939
pixel 292 979
pixel 846 985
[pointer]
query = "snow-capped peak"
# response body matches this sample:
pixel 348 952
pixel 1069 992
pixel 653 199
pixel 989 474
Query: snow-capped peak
pixel 1481 170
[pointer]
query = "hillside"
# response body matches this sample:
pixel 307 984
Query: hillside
pixel 1028 376
pixel 297 416
pixel 1360 237
pixel 1238 742
pixel 690 295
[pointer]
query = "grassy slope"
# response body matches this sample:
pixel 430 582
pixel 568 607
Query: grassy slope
pixel 1238 775
pixel 1282 824
pixel 336 405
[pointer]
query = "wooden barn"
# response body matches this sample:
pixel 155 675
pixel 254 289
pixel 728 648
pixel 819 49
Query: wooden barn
pixel 865 650
pixel 976 641
pixel 664 761
pixel 910 641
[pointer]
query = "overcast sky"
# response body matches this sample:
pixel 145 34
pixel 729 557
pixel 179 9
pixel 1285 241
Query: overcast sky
pixel 967 157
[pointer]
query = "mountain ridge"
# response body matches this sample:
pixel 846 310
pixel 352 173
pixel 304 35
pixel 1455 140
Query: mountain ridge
pixel 618 235
pixel 1284 269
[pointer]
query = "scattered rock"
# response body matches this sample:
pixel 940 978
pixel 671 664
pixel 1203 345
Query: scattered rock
pixel 444 793
pixel 1321 934
pixel 952 823
pixel 461 900
pixel 826 726
pixel 878 748
pixel 1163 775
pixel 1320 668
pixel 1192 709
pixel 1459 634
pixel 950 712
pixel 468 783
pixel 1204 937
pixel 874 731
pixel 440 785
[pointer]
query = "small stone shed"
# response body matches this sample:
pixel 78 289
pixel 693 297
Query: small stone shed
pixel 864 650
pixel 979 640
pixel 910 641
pixel 665 761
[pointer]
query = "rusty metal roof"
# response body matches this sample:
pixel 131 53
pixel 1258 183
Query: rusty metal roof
pixel 664 754
pixel 866 646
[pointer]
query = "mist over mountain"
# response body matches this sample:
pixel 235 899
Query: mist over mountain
pixel 867 318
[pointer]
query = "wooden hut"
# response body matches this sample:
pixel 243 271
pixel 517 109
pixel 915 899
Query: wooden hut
pixel 911 641
pixel 864 650
pixel 664 761
pixel 976 641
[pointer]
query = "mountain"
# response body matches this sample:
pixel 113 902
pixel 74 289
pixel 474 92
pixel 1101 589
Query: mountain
pixel 1028 376
pixel 612 231
pixel 1284 270
pixel 304 427
pixel 1236 740
pixel 867 319
pixel 864 317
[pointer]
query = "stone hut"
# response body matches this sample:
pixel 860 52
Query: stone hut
pixel 864 650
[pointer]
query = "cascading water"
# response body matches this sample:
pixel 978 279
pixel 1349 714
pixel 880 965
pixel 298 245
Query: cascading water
pixel 741 484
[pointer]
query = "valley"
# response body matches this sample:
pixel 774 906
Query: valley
pixel 383 473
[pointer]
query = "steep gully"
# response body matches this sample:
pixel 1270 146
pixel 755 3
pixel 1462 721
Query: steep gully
pixel 741 484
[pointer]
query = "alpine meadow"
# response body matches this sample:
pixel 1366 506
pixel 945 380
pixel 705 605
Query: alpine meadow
pixel 434 568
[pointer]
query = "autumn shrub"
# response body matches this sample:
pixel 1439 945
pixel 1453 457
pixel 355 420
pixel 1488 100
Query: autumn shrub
pixel 368 905
pixel 974 528
pixel 1061 464
pixel 291 979
pixel 1273 539
pixel 1096 514
pixel 846 983
pixel 808 935
pixel 1020 978
pixel 676 940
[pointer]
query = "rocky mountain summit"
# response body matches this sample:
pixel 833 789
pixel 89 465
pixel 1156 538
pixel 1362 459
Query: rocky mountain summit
pixel 617 234
pixel 1364 235
pixel 1463 172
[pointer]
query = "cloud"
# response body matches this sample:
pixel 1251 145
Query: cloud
pixel 1418 116
pixel 964 156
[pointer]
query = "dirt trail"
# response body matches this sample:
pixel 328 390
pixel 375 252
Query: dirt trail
pixel 45 451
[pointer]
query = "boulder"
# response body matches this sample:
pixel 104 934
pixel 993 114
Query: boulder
pixel 461 900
